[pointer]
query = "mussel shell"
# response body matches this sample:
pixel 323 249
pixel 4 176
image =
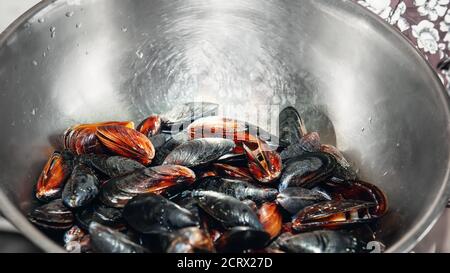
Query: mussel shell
pixel 233 171
pixel 82 245
pixel 150 126
pixel 240 238
pixel 111 166
pixel 81 188
pixel 117 191
pixel 199 152
pixel 53 215
pixel 309 143
pixel 320 241
pixel 106 240
pixel 107 216
pixel 165 143
pixel 344 170
pixel 148 213
pixel 295 199
pixel 307 171
pixel 126 142
pixel 263 163
pixel 227 210
pixel 334 213
pixel 271 219
pixel 239 189
pixel 180 116
pixel 75 233
pixel 54 175
pixel 191 240
pixel 291 125
pixel 185 200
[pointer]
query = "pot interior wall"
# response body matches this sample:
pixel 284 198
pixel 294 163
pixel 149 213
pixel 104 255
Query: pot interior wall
pixel 86 61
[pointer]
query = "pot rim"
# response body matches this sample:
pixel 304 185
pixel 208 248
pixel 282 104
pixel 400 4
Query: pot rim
pixel 405 244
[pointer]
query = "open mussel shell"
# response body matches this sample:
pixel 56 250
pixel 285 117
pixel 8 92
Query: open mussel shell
pixel 81 187
pixel 291 126
pixel 263 163
pixel 107 216
pixel 54 175
pixel 236 172
pixel 106 240
pixel 199 152
pixel 227 210
pixel 271 219
pixel 295 199
pixel 307 171
pixel 117 191
pixel 53 215
pixel 150 126
pixel 309 143
pixel 359 190
pixel 81 139
pixel 320 241
pixel 126 142
pixel 180 116
pixel 148 213
pixel 238 239
pixel 191 240
pixel 334 213
pixel 111 166
pixel 239 189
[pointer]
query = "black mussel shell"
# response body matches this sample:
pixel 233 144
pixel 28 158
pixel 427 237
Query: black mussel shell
pixel 111 166
pixel 239 239
pixel 307 171
pixel 229 211
pixel 107 216
pixel 179 117
pixel 81 188
pixel 309 143
pixel 291 125
pixel 150 212
pixel 165 143
pixel 199 152
pixel 53 215
pixel 191 240
pixel 295 199
pixel 106 240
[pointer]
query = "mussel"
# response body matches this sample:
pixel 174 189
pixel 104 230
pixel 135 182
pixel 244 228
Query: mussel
pixel 238 239
pixel 264 164
pixel 107 216
pixel 291 125
pixel 239 189
pixel 334 213
pixel 54 175
pixel 111 166
pixel 199 152
pixel 320 241
pixel 106 240
pixel 150 126
pixel 81 139
pixel 81 188
pixel 271 219
pixel 165 143
pixel 309 143
pixel 126 142
pixel 227 210
pixel 150 213
pixel 307 170
pixel 295 199
pixel 191 240
pixel 344 170
pixel 53 215
pixel 226 170
pixel 117 191
pixel 76 240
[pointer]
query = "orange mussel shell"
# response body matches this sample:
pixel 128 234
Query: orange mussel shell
pixel 150 126
pixel 271 218
pixel 81 139
pixel 126 142
pixel 52 178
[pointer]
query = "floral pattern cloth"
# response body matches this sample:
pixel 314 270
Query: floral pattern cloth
pixel 426 23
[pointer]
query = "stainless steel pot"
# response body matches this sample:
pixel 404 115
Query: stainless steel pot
pixel 354 79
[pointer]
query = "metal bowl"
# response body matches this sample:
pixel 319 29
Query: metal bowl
pixel 354 79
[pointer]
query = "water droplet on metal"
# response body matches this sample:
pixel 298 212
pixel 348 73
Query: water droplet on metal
pixel 370 120
pixel 398 145
pixel 78 25
pixel 52 29
pixel 70 13
pixel 27 25
pixel 35 63
pixel 41 20
pixel 33 112
pixel 124 29
pixel 139 54
pixel 363 129
pixel 385 173
pixel 44 54
pixel 52 32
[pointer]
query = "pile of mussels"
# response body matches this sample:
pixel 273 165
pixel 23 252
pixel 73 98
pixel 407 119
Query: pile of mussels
pixel 190 181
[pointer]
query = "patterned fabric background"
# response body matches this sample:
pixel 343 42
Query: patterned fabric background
pixel 425 22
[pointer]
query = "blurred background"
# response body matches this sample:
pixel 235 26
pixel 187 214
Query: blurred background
pixel 11 241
